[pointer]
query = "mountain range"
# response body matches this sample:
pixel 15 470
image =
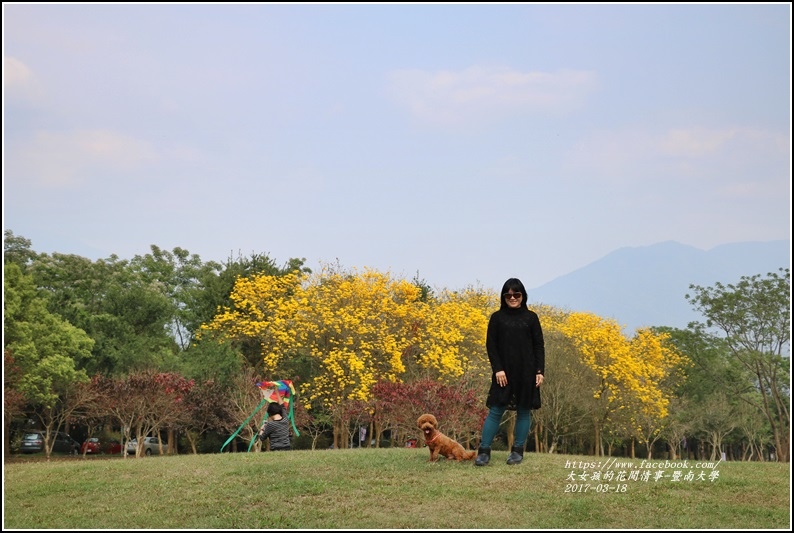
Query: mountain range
pixel 646 286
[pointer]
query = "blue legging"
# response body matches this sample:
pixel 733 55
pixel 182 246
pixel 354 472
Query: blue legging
pixel 494 419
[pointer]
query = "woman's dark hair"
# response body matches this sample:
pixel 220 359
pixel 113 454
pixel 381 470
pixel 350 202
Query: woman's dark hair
pixel 515 285
pixel 274 408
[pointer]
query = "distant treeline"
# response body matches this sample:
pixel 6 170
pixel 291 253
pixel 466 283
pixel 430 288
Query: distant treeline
pixel 168 343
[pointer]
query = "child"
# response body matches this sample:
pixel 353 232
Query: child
pixel 276 428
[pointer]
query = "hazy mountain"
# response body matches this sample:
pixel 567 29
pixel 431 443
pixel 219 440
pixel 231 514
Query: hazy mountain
pixel 646 286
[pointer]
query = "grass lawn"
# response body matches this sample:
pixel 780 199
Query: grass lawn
pixel 390 488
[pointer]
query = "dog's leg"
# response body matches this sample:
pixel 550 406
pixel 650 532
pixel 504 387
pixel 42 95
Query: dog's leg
pixel 433 455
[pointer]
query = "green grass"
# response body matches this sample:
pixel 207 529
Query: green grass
pixel 390 488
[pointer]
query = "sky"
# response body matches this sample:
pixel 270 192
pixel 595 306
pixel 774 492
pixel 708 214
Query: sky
pixel 459 144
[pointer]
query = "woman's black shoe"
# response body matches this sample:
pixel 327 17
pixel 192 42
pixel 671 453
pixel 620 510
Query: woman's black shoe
pixel 516 455
pixel 483 456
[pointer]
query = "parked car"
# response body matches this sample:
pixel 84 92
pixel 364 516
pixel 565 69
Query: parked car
pixel 112 446
pixel 95 445
pixel 33 442
pixel 150 445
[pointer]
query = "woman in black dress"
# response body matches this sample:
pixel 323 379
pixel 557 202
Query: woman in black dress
pixel 517 354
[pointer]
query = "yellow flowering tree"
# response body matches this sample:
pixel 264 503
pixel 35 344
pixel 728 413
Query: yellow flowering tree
pixel 451 345
pixel 657 361
pixel 356 327
pixel 632 390
pixel 263 311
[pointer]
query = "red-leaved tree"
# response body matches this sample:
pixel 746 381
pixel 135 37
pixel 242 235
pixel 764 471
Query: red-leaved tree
pixel 144 403
pixel 460 412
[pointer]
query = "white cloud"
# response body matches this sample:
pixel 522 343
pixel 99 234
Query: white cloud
pixel 68 159
pixel 15 72
pixel 696 142
pixel 717 155
pixel 475 94
pixel 19 82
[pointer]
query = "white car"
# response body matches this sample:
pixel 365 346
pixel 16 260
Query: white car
pixel 150 445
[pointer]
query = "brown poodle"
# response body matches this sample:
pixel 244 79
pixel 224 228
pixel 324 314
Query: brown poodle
pixel 439 443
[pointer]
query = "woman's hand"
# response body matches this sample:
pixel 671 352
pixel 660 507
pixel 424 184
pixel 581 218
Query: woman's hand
pixel 538 380
pixel 501 378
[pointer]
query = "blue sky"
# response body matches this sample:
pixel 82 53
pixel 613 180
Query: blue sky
pixel 463 143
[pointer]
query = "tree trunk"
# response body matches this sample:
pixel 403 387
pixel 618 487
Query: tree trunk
pixel 597 451
pixel 172 445
pixel 340 435
pixel 673 451
pixel 192 441
pixel 537 439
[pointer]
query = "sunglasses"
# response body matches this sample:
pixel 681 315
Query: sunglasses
pixel 512 296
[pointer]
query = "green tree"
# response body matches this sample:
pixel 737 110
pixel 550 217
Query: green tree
pixel 46 350
pixel 179 274
pixel 212 358
pixel 754 319
pixel 126 313
pixel 14 402
pixel 711 370
pixel 754 429
pixel 17 250
pixel 678 424
pixel 716 419
pixel 196 291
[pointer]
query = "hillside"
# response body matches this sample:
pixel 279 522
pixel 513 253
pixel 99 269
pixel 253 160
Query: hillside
pixel 646 286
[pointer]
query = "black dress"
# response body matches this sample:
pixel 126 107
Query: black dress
pixel 515 344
